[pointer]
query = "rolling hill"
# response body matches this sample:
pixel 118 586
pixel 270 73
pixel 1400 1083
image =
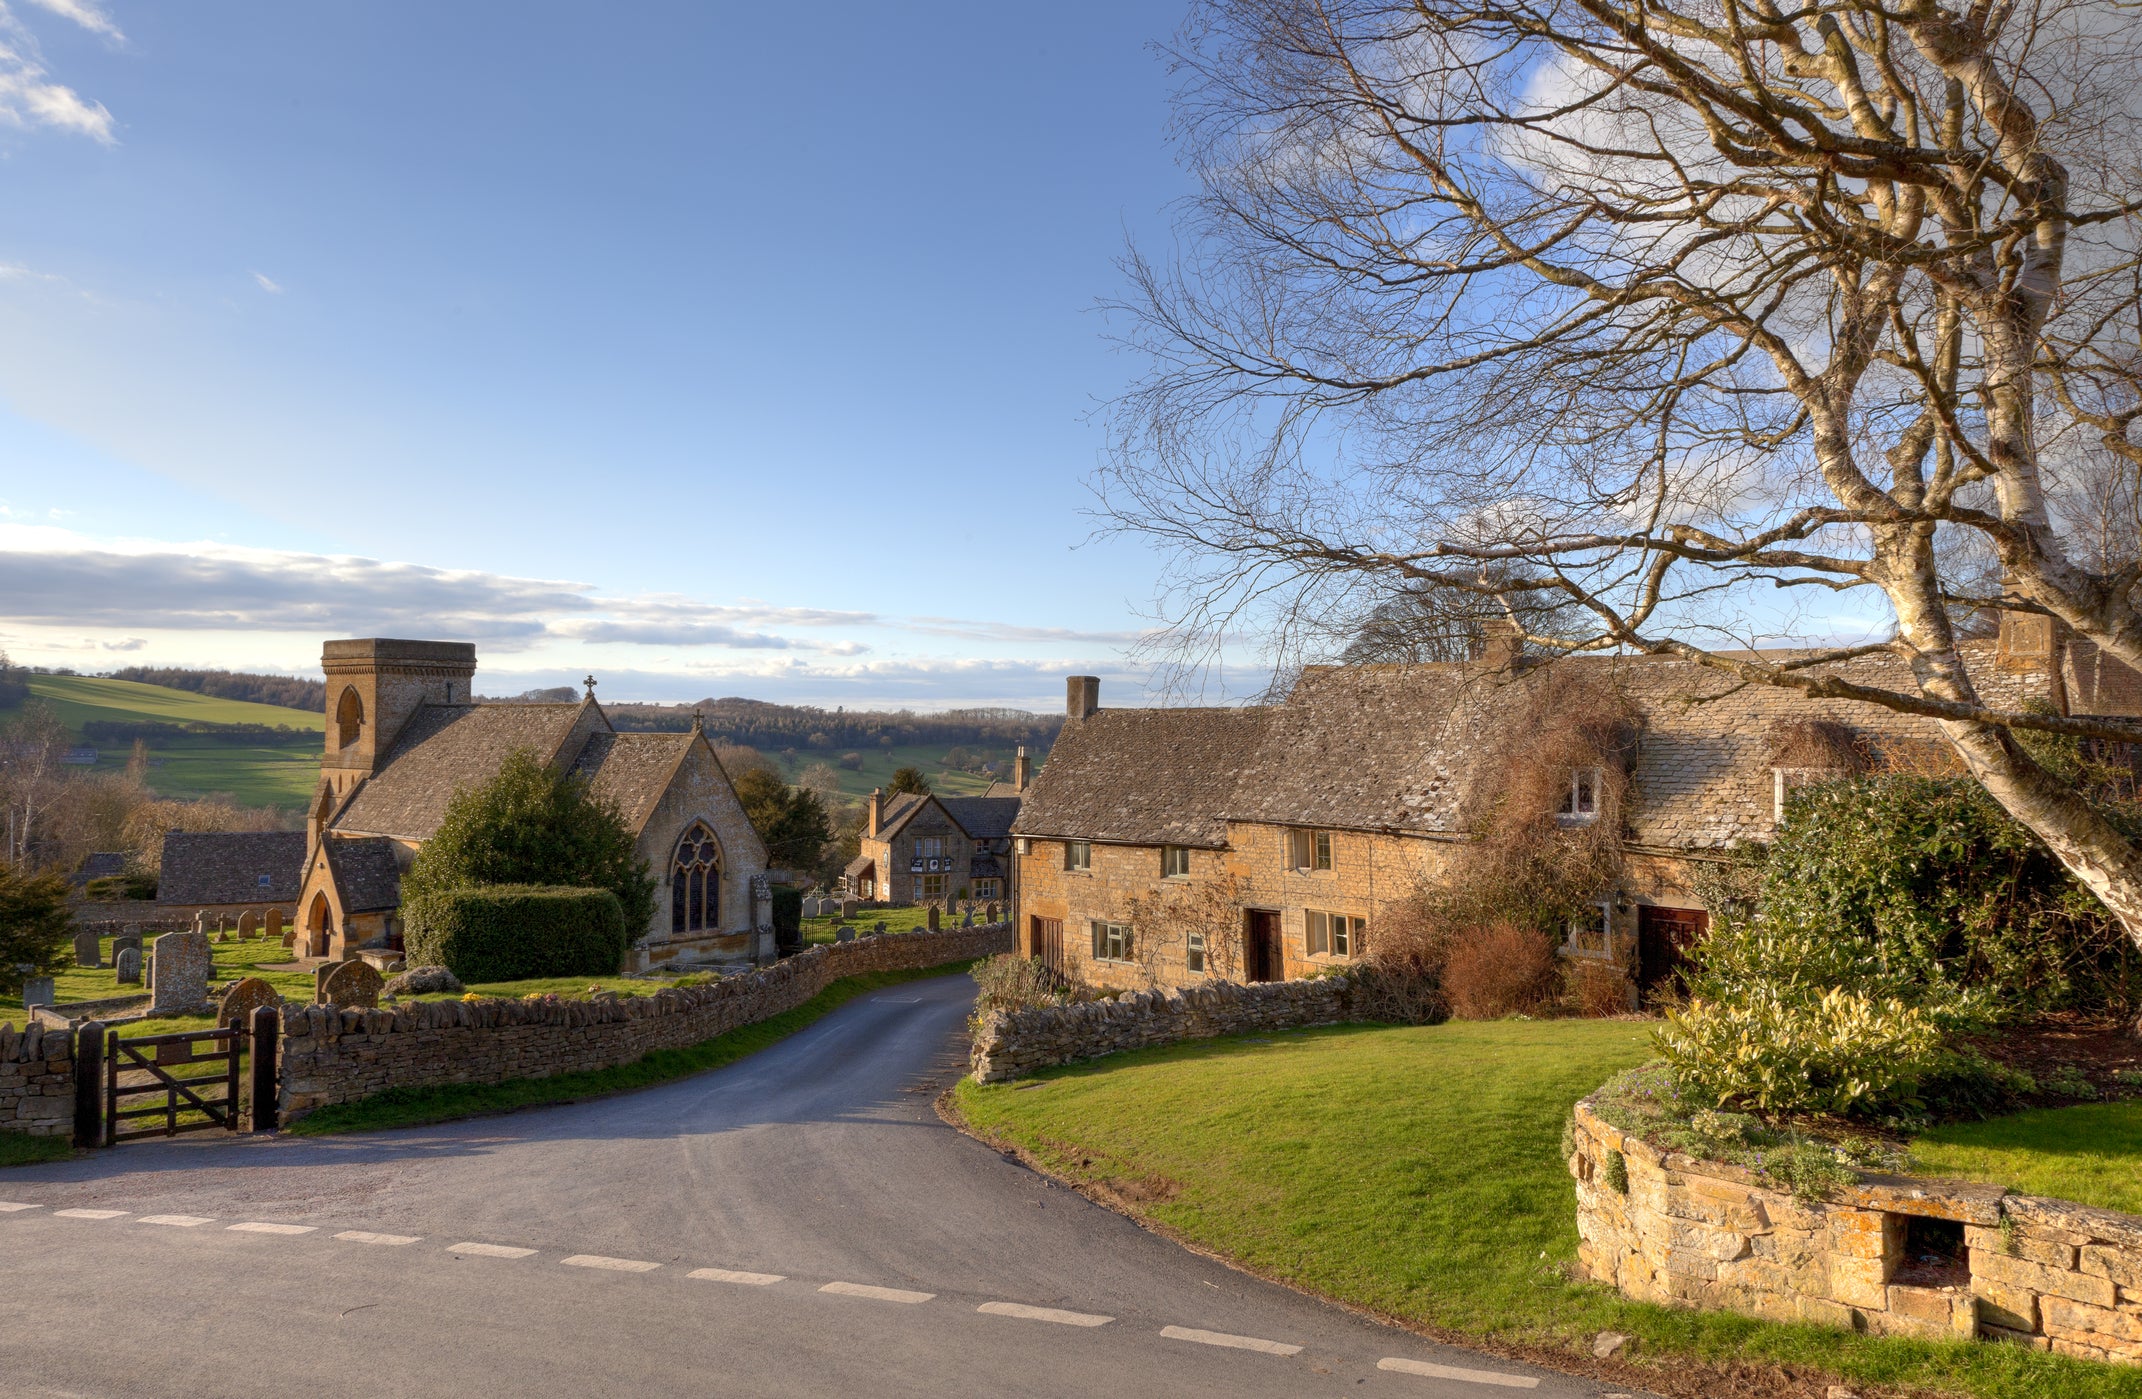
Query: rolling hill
pixel 252 775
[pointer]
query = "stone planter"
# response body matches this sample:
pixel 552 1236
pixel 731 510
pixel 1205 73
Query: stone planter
pixel 1664 1227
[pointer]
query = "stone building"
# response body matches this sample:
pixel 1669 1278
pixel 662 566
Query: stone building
pixel 1164 846
pixel 405 734
pixel 224 873
pixel 921 848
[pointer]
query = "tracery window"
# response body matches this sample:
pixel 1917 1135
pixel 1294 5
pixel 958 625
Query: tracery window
pixel 695 883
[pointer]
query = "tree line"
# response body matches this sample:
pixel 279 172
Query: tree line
pixel 286 691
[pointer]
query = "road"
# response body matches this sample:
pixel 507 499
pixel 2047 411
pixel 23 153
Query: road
pixel 798 1223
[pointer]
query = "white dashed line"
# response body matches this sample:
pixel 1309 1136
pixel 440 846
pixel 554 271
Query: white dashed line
pixel 1452 1372
pixel 1026 1313
pixel 6 1208
pixel 614 1265
pixel 876 1294
pixel 741 1279
pixel 490 1250
pixel 89 1214
pixel 176 1221
pixel 256 1227
pixel 1221 1338
pixel 366 1236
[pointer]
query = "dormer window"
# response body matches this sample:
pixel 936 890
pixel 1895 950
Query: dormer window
pixel 1581 802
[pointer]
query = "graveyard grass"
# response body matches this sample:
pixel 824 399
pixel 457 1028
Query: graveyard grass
pixel 896 920
pixel 416 1107
pixel 1416 1173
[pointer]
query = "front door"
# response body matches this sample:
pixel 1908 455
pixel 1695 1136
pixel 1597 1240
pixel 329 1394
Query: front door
pixel 1261 959
pixel 1664 939
pixel 1046 941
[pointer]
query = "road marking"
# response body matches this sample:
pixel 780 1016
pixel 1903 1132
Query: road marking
pixel 615 1265
pixel 89 1214
pixel 743 1279
pixel 176 1221
pixel 490 1250
pixel 876 1294
pixel 255 1227
pixel 1221 1338
pixel 1451 1372
pixel 6 1208
pixel 1026 1313
pixel 365 1236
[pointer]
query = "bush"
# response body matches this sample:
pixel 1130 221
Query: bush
pixel 1596 988
pixel 1400 979
pixel 1502 969
pixel 515 932
pixel 1008 982
pixel 35 924
pixel 1840 1052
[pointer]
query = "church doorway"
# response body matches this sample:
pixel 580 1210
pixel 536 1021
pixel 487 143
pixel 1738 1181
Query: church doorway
pixel 319 926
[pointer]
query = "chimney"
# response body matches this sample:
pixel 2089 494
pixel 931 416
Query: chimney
pixel 1082 695
pixel 1502 644
pixel 877 811
pixel 1022 769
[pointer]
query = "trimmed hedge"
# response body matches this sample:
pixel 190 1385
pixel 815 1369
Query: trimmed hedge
pixel 515 932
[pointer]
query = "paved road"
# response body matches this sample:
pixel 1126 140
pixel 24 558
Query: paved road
pixel 856 1246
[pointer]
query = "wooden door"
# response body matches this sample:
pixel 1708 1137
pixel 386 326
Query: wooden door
pixel 1664 939
pixel 1045 939
pixel 1262 959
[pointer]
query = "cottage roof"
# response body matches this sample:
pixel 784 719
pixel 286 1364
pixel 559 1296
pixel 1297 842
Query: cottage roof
pixel 982 818
pixel 898 809
pixel 631 771
pixel 365 873
pixel 1143 776
pixel 859 866
pixel 227 867
pixel 445 749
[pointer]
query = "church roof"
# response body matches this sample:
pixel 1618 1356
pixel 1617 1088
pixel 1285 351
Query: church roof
pixel 365 873
pixel 227 867
pixel 631 771
pixel 445 749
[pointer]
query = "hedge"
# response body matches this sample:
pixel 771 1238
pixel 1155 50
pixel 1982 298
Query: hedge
pixel 514 932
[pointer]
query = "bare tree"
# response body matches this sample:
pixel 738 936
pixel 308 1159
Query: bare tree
pixel 31 780
pixel 1655 309
pixel 1164 920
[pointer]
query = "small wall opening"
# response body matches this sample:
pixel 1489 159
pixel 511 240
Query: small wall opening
pixel 349 718
pixel 1932 1254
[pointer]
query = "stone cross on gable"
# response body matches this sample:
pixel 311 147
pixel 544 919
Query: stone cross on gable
pixel 699 722
pixel 590 683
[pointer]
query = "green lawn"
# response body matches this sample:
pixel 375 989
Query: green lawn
pixel 233 960
pixel 1417 1172
pixel 2091 1153
pixel 22 1149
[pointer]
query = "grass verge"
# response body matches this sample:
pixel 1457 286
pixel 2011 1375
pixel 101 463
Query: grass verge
pixel 2088 1153
pixel 22 1149
pixel 417 1107
pixel 1416 1173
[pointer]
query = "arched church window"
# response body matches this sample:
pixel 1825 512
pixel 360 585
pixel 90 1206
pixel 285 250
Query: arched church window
pixel 695 883
pixel 349 717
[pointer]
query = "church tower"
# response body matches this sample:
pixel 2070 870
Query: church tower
pixel 373 686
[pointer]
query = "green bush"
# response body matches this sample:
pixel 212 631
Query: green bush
pixel 1009 982
pixel 1770 1049
pixel 35 924
pixel 515 932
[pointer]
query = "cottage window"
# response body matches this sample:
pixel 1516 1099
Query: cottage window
pixel 1581 802
pixel 1111 942
pixel 1174 861
pixel 695 883
pixel 1309 850
pixel 868 889
pixel 1332 934
pixel 933 886
pixel 1786 781
pixel 930 847
pixel 1194 954
pixel 1591 932
pixel 1078 855
pixel 986 889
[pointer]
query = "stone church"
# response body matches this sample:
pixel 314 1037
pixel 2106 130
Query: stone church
pixel 405 733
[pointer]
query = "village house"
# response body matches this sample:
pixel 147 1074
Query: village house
pixel 222 874
pixel 922 848
pixel 1259 843
pixel 405 735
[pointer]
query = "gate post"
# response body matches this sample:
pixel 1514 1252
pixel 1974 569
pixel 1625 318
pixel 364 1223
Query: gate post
pixel 267 1020
pixel 89 1084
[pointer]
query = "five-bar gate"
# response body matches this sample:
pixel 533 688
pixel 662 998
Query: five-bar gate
pixel 148 1067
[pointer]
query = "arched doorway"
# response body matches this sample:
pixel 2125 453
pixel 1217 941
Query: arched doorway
pixel 695 883
pixel 319 926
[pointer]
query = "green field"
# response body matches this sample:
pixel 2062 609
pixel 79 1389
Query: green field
pixel 253 775
pixel 879 765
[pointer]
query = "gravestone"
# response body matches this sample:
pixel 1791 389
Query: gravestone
pixel 290 939
pixel 86 951
pixel 222 936
pixel 968 920
pixel 37 991
pixel 352 984
pixel 200 922
pixel 933 918
pixel 127 963
pixel 320 974
pixel 994 917
pixel 248 926
pixel 878 930
pixel 848 908
pixel 810 908
pixel 241 998
pixel 275 924
pixel 844 933
pixel 130 938
pixel 178 973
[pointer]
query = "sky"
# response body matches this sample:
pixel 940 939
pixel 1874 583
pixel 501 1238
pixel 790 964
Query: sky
pixel 711 349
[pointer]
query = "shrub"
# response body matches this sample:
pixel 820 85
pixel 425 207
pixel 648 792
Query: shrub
pixel 1838 1052
pixel 517 932
pixel 1502 969
pixel 1008 982
pixel 35 924
pixel 1596 988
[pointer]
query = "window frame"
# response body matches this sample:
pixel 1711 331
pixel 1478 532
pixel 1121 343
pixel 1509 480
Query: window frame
pixel 1194 953
pixel 1309 850
pixel 1580 804
pixel 1604 928
pixel 1172 855
pixel 923 885
pixel 1112 942
pixel 1078 857
pixel 1328 934
pixel 929 848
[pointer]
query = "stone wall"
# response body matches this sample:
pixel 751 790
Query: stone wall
pixel 1670 1229
pixel 1015 1043
pixel 335 1055
pixel 36 1081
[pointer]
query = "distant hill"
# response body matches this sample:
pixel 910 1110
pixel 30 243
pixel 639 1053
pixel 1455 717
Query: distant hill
pixel 81 699
pixel 257 754
pixel 759 724
pixel 282 691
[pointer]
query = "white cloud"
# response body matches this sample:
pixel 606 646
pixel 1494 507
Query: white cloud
pixel 268 284
pixel 29 96
pixel 86 13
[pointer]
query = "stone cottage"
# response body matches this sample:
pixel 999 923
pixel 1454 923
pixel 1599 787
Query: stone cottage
pixel 224 873
pixel 922 848
pixel 405 734
pixel 1295 824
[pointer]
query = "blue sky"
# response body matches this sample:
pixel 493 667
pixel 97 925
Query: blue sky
pixel 717 349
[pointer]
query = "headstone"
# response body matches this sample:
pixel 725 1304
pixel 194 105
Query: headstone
pixel 968 920
pixel 222 936
pixel 130 938
pixel 844 933
pixel 178 973
pixel 86 951
pixel 37 991
pixel 200 922
pixel 880 928
pixel 848 908
pixel 320 974
pixel 994 916
pixel 290 938
pixel 241 998
pixel 933 918
pixel 248 925
pixel 275 924
pixel 352 984
pixel 127 963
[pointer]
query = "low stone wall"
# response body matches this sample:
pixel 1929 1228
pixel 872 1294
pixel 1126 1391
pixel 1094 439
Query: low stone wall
pixel 335 1055
pixel 36 1081
pixel 1671 1229
pixel 1015 1043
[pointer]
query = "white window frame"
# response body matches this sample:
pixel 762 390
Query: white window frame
pixel 1326 934
pixel 1171 856
pixel 930 847
pixel 1078 856
pixel 1784 780
pixel 1604 928
pixel 1309 850
pixel 1580 805
pixel 1194 953
pixel 1111 941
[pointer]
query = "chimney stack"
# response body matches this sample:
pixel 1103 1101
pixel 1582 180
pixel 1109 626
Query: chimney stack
pixel 1502 643
pixel 1082 695
pixel 1021 770
pixel 877 811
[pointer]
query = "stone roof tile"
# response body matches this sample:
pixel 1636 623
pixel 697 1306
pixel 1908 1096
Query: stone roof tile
pixel 1143 776
pixel 445 749
pixel 227 867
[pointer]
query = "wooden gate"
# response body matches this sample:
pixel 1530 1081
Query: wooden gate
pixel 147 1068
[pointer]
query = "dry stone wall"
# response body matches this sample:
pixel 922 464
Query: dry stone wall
pixel 333 1054
pixel 1666 1228
pixel 36 1081
pixel 1012 1044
